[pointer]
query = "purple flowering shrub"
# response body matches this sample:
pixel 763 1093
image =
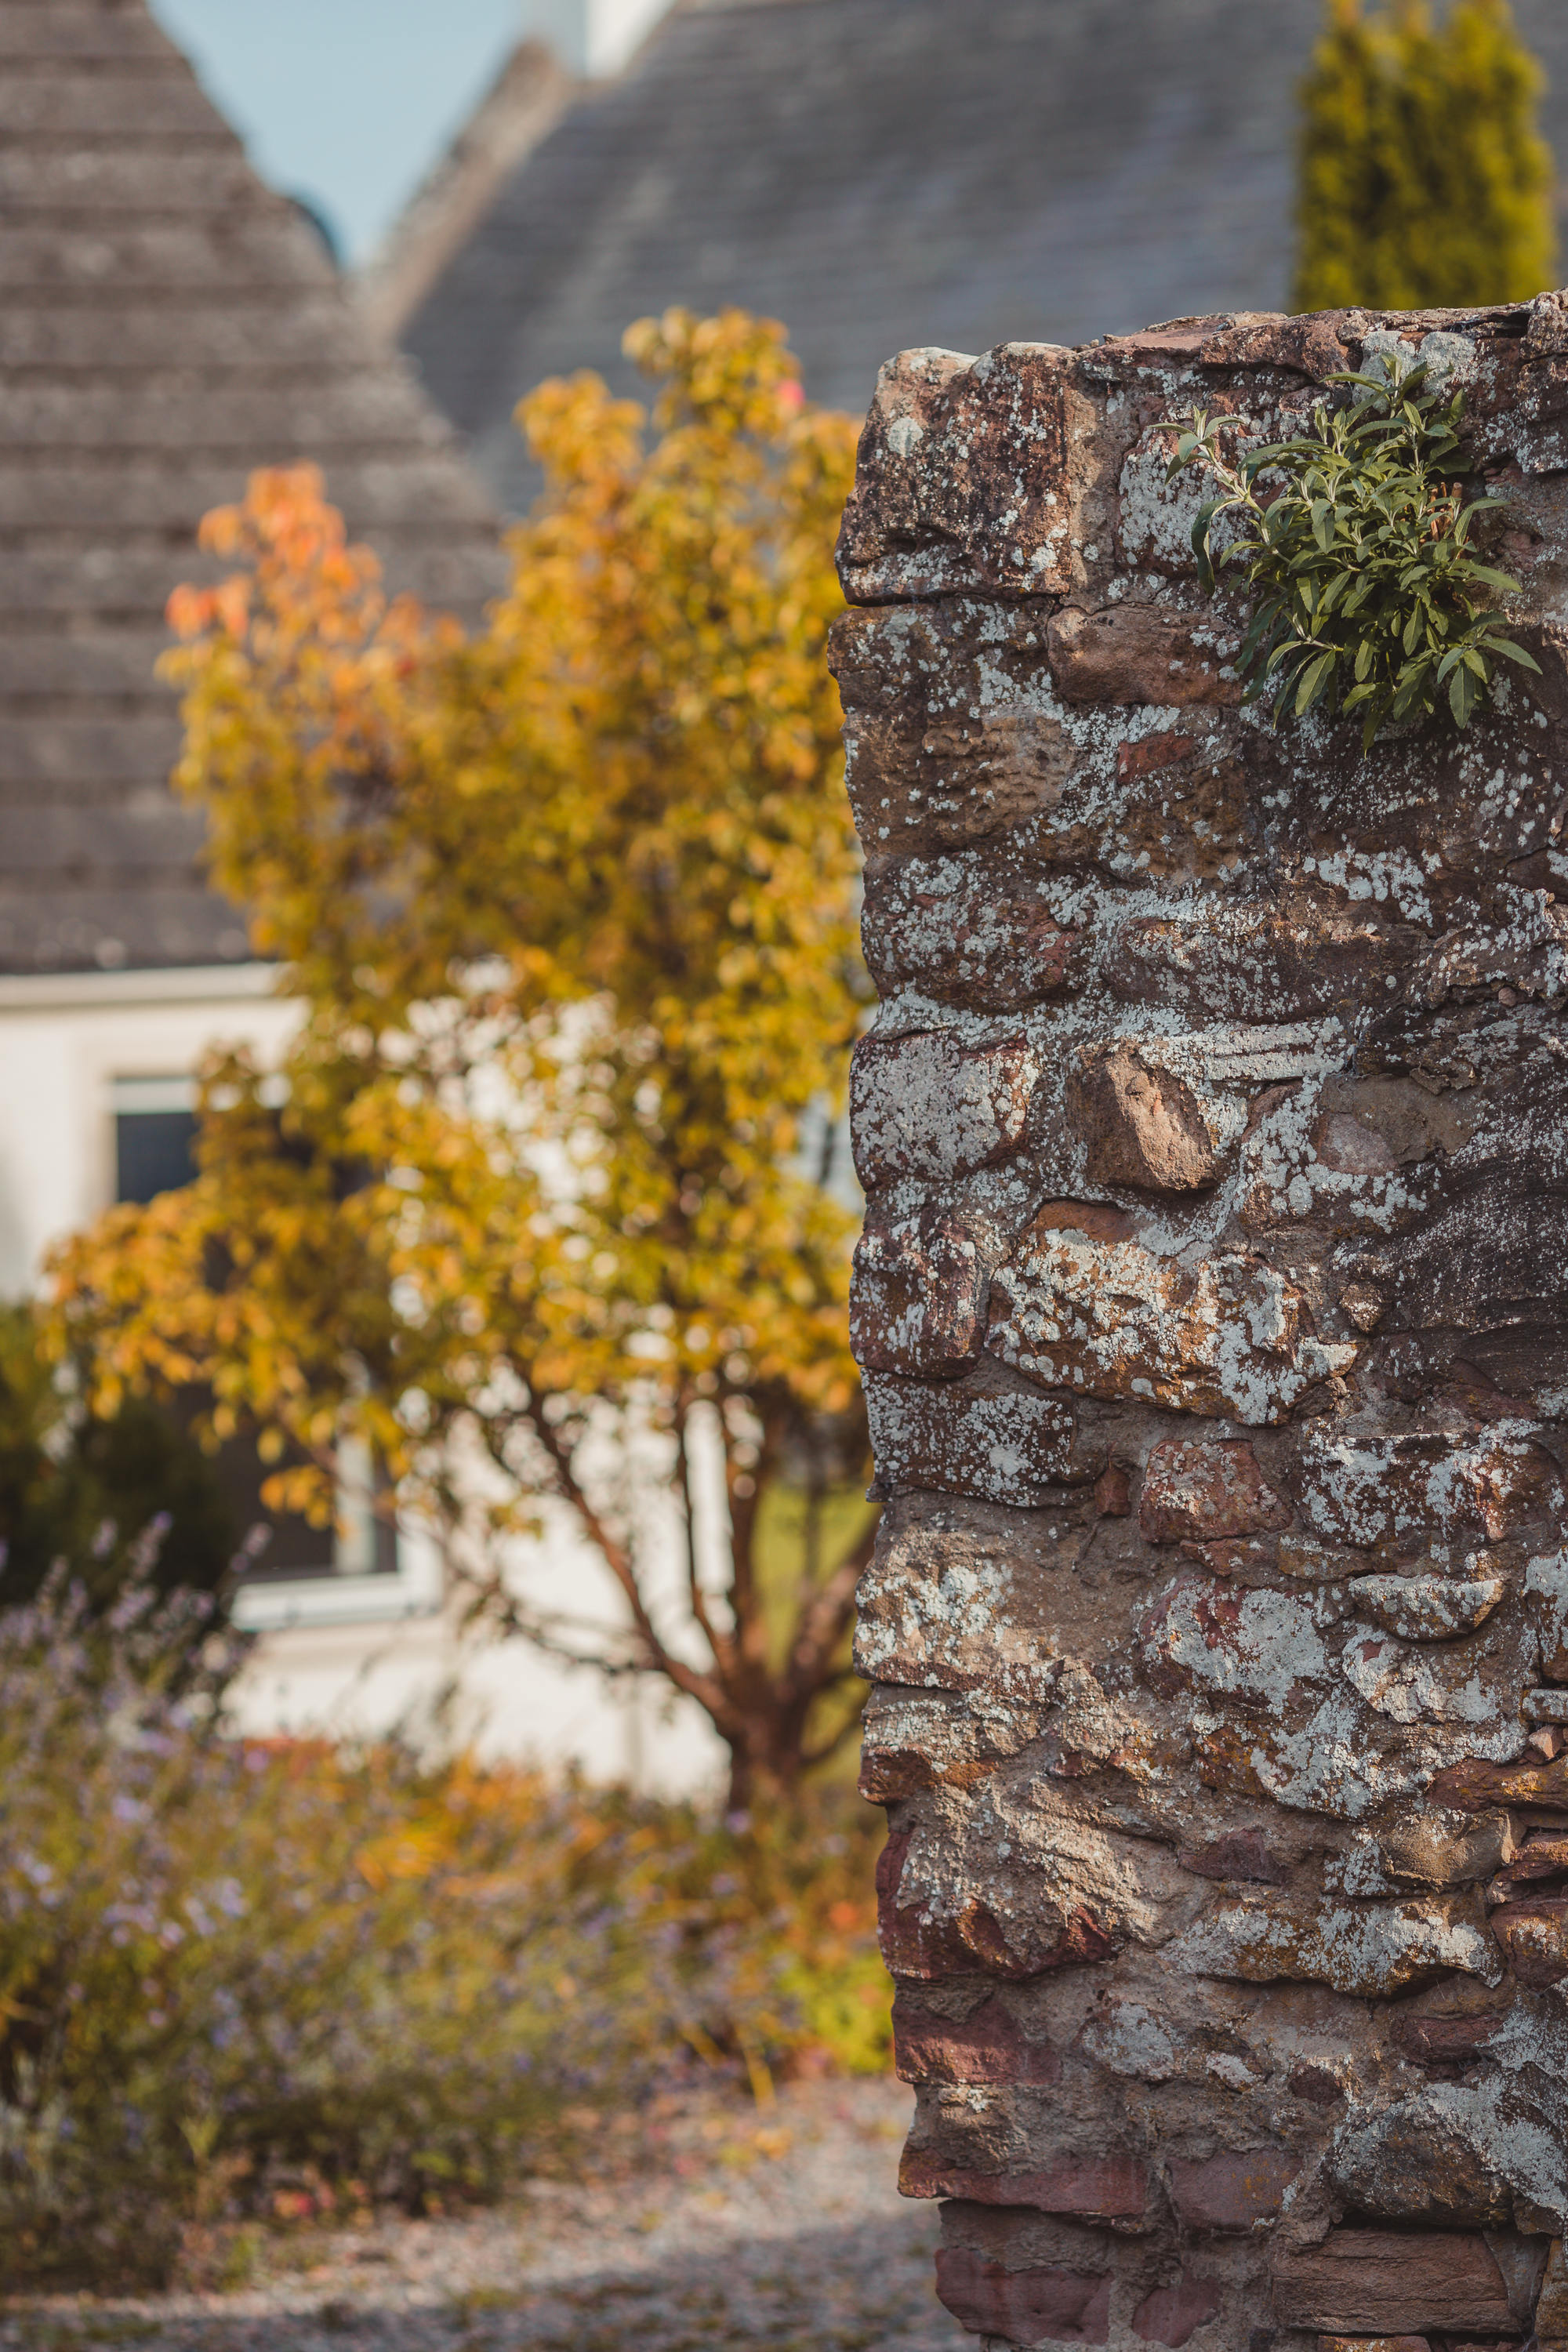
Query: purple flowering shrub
pixel 242 1978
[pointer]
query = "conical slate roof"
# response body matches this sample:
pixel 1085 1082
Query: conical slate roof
pixel 166 324
pixel 879 174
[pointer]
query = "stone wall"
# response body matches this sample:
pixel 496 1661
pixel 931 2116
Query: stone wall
pixel 1211 1303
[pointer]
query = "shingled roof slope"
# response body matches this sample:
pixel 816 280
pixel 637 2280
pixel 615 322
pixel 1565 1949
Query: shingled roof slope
pixel 886 173
pixel 166 324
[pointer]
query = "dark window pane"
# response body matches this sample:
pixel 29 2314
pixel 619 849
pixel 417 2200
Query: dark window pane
pixel 155 1151
pixel 294 1547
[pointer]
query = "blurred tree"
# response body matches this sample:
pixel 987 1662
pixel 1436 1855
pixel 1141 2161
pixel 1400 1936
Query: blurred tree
pixel 86 1488
pixel 1424 179
pixel 569 906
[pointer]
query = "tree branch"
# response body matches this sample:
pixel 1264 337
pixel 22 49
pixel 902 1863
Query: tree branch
pixel 719 1644
pixel 706 1689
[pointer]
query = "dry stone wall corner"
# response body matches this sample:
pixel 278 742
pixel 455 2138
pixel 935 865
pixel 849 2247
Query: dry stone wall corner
pixel 1213 1305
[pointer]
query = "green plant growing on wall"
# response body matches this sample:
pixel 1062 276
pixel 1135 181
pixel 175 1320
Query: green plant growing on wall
pixel 1424 180
pixel 1355 541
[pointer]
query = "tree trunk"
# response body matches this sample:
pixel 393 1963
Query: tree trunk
pixel 767 1766
pixel 1211 1303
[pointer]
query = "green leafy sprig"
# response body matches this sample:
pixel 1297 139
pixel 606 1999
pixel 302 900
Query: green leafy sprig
pixel 1355 540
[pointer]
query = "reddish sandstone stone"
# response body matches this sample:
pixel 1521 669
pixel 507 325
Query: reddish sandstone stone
pixel 1150 754
pixel 1239 1854
pixel 1395 2283
pixel 1303 957
pixel 1446 2041
pixel 1113 1493
pixel 1318 2085
pixel 1070 2306
pixel 938 755
pixel 987 2046
pixel 1139 654
pixel 1207 1488
pixel 1232 2191
pixel 920 1740
pixel 1374 1490
pixel 1126 1322
pixel 1313 345
pixel 1476 1787
pixel 1140 1125
pixel 1535 1937
pixel 1089 2188
pixel 963 1607
pixel 1173 2313
pixel 1552 2306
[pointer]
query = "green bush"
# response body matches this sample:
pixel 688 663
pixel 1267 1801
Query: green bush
pixel 86 1487
pixel 277 1979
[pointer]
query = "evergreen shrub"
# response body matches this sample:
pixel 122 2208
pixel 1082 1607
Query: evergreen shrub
pixel 1424 180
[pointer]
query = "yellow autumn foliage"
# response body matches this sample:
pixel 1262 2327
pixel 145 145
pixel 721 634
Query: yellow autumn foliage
pixel 568 903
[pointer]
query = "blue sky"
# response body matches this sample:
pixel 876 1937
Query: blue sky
pixel 346 102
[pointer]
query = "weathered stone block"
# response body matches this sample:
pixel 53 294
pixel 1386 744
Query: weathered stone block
pixel 1394 2282
pixel 1200 1489
pixel 1068 2306
pixel 924 1106
pixel 1231 2191
pixel 1369 1950
pixel 1534 1935
pixel 976 1936
pixel 962 1599
pixel 965 481
pixel 1173 2313
pixel 1113 1319
pixel 1425 1486
pixel 1239 1855
pixel 987 2046
pixel 988 941
pixel 1141 654
pixel 1552 2308
pixel 1001 1449
pixel 1140 1125
pixel 946 739
pixel 1427 1608
pixel 917 1300
pixel 1089 2189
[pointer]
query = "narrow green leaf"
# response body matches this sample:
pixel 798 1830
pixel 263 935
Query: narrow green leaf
pixel 1314 682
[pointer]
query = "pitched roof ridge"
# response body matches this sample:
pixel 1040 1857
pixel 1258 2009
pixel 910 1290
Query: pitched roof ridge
pixel 522 105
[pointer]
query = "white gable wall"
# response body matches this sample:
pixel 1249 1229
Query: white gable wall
pixel 349 1653
pixel 592 38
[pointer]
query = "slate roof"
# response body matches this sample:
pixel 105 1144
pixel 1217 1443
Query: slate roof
pixel 885 173
pixel 166 324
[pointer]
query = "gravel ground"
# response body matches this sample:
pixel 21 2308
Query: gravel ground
pixel 725 2228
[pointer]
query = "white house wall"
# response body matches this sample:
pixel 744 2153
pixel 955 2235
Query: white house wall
pixel 350 1655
